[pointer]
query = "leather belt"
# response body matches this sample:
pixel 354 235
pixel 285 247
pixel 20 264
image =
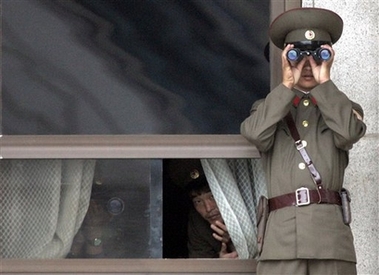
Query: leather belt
pixel 303 196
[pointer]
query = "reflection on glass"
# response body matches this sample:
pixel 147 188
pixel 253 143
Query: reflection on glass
pixel 132 67
pixel 81 208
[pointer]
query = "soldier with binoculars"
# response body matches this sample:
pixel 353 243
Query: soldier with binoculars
pixel 304 129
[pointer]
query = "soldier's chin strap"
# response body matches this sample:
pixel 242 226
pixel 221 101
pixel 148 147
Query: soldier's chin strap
pixel 300 146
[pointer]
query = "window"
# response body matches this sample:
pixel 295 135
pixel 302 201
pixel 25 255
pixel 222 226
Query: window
pixel 51 150
pixel 132 67
pixel 76 86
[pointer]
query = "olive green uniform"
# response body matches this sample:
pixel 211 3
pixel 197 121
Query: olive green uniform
pixel 325 120
pixel 201 243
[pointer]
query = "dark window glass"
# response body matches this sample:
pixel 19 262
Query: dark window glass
pixel 108 208
pixel 132 66
pixel 104 208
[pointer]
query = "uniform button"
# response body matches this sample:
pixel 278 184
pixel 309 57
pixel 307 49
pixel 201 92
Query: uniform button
pixel 305 123
pixel 306 102
pixel 115 206
pixel 301 165
pixel 98 182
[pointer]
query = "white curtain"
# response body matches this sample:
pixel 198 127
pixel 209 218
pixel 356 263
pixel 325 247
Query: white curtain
pixel 237 185
pixel 43 203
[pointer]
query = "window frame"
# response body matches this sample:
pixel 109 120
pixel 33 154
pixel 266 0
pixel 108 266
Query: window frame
pixel 126 147
pixel 137 146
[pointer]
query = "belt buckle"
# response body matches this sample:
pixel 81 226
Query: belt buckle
pixel 302 196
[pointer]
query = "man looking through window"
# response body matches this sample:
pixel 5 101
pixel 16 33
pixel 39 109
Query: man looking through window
pixel 208 236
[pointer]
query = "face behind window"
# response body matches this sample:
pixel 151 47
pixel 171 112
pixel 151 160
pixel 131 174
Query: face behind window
pixel 206 206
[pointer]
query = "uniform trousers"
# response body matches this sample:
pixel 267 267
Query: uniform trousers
pixel 306 267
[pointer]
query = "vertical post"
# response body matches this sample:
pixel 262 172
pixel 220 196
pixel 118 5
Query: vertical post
pixel 156 206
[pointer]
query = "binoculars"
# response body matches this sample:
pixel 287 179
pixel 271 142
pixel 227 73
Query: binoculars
pixel 319 54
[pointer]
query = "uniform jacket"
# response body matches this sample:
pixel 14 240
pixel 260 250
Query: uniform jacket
pixel 325 120
pixel 201 243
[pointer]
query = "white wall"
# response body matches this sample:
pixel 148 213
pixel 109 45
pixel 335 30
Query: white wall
pixel 355 72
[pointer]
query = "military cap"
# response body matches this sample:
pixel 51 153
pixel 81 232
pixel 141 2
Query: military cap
pixel 183 171
pixel 306 25
pixel 198 185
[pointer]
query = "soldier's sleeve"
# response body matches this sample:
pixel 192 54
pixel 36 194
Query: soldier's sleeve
pixel 341 115
pixel 259 128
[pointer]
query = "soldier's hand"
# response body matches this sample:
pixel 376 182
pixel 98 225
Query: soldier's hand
pixel 225 254
pixel 220 232
pixel 321 70
pixel 291 71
